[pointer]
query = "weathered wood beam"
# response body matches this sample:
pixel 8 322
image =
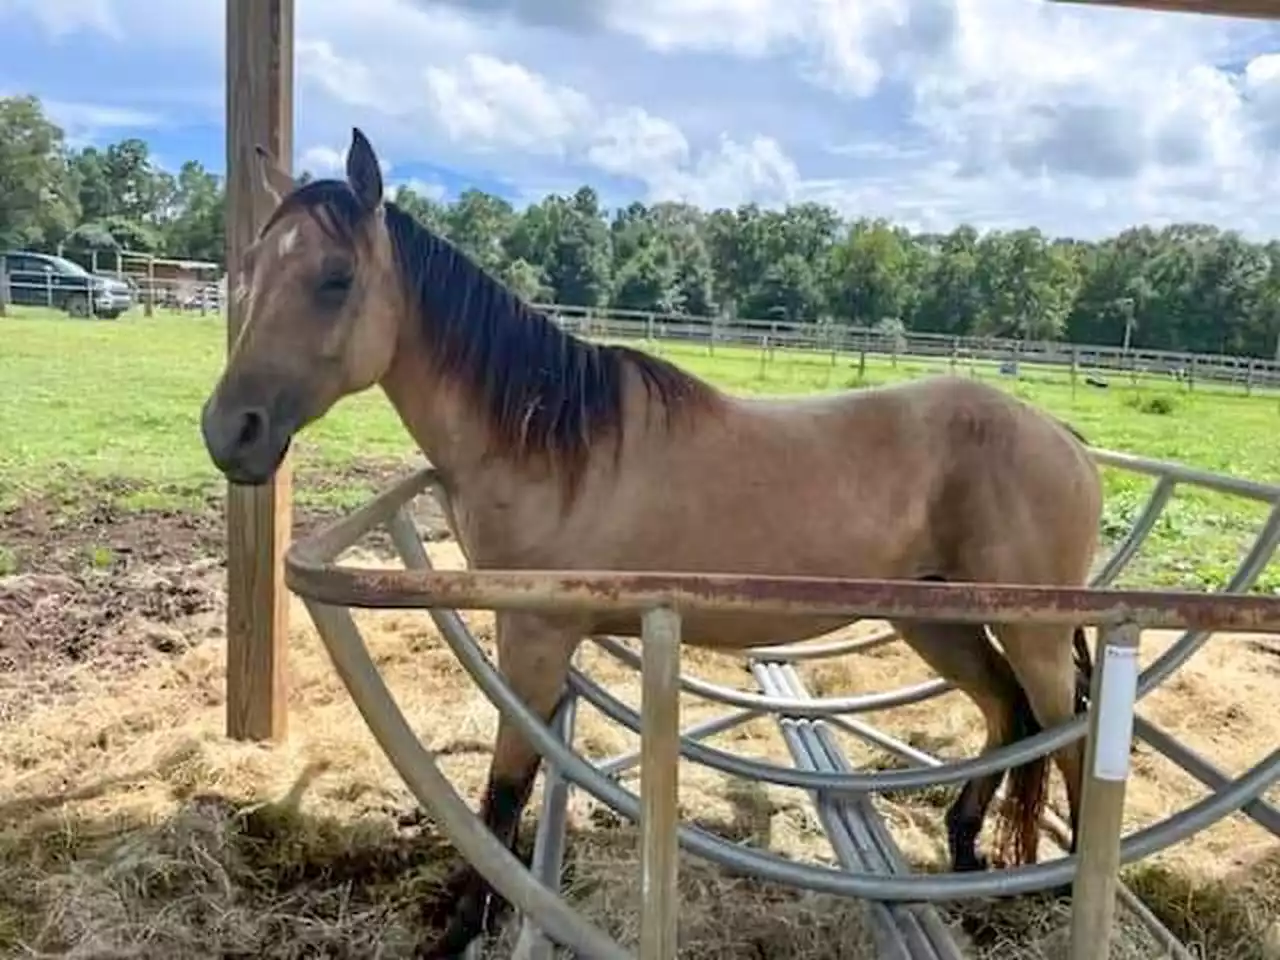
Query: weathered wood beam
pixel 259 111
pixel 1260 9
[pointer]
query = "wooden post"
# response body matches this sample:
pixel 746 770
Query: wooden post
pixel 1111 709
pixel 149 307
pixel 259 109
pixel 4 286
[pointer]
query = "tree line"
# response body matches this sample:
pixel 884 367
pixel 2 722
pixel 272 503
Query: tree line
pixel 1189 286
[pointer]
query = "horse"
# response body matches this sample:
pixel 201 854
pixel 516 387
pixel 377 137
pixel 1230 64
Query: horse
pixel 557 452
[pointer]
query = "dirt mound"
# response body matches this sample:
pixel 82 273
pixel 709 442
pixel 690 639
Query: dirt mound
pixel 50 623
pixel 91 587
pixel 53 536
pixel 95 588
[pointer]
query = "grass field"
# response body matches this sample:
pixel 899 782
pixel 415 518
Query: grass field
pixel 131 829
pixel 118 404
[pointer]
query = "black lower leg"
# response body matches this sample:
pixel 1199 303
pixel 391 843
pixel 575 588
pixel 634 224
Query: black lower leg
pixel 964 822
pixel 474 907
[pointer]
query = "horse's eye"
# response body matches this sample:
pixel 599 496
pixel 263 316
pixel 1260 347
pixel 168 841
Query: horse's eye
pixel 336 285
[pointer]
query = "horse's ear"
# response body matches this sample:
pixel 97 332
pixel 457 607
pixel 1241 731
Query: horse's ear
pixel 363 173
pixel 275 181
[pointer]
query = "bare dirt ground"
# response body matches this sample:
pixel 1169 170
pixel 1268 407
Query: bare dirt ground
pixel 130 828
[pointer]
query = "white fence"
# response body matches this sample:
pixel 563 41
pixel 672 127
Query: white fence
pixel 833 338
pixel 1189 368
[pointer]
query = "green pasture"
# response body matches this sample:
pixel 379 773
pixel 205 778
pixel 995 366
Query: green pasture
pixel 97 409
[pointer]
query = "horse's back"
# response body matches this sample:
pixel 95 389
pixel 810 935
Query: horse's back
pixel 860 483
pixel 936 477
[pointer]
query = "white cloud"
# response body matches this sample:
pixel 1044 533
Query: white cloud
pixel 497 103
pixel 99 116
pixel 61 18
pixel 493 104
pixel 634 142
pixel 342 78
pixel 423 188
pixel 731 173
pixel 321 161
pixel 326 161
pixel 83 124
pixel 929 111
pixel 750 28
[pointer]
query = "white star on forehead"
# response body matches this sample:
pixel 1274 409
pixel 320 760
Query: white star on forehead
pixel 288 242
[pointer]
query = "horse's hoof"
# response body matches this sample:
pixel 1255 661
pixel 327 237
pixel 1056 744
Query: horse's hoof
pixel 973 863
pixel 472 909
pixel 409 819
pixel 1060 892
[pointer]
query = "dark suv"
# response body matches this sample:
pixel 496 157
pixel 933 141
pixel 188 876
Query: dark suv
pixel 43 280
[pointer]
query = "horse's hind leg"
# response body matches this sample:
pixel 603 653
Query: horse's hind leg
pixel 534 658
pixel 963 654
pixel 1044 660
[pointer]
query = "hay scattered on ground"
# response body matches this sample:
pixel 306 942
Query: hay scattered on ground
pixel 130 828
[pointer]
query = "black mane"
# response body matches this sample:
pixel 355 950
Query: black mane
pixel 543 390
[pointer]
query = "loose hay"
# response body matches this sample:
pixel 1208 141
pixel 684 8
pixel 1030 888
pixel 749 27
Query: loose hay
pixel 130 828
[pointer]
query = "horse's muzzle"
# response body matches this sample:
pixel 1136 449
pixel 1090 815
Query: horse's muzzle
pixel 246 443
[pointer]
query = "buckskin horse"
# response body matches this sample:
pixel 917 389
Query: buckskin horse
pixel 560 453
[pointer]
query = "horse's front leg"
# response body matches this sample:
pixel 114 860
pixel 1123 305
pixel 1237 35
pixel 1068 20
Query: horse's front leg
pixel 534 657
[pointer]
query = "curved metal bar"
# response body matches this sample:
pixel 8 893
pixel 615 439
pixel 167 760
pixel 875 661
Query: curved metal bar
pixel 833 707
pixel 919 777
pixel 1128 548
pixel 1181 473
pixel 465 830
pixel 916 887
pixel 792 652
pixel 1265 814
pixel 1058 831
pixel 906 779
pixel 1245 576
pixel 788 705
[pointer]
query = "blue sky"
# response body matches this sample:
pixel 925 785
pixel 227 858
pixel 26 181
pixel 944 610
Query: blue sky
pixel 1000 113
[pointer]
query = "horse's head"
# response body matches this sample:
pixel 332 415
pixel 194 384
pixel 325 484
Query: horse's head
pixel 321 320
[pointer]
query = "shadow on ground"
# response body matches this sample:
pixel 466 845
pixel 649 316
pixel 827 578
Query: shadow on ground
pixel 222 877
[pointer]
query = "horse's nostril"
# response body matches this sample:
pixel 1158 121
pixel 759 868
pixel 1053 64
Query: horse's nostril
pixel 252 428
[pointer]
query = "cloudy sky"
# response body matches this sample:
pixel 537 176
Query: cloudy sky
pixel 931 112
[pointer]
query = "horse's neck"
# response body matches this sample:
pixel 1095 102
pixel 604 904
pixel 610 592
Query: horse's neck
pixel 447 431
pixel 453 434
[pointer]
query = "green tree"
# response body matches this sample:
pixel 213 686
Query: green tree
pixel 479 223
pixel 1186 286
pixel 197 227
pixel 38 202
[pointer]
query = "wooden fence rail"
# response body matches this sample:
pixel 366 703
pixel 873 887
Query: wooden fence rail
pixel 1248 372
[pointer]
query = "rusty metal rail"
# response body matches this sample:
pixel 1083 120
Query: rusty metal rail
pixel 659 600
pixel 309 573
pixel 572 591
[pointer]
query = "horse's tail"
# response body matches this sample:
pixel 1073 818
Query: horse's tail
pixel 1019 836
pixel 1084 669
